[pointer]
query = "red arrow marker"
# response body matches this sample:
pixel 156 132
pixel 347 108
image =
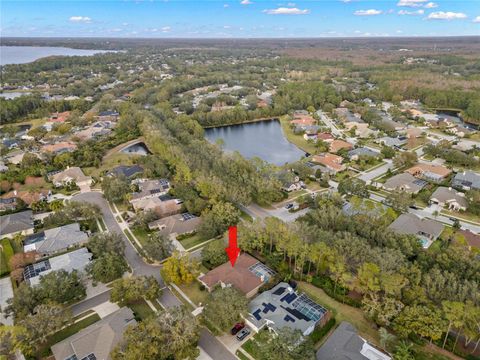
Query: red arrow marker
pixel 232 250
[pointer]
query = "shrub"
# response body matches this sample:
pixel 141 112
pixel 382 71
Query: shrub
pixel 320 332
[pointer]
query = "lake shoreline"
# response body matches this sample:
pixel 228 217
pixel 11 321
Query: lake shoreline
pixel 241 123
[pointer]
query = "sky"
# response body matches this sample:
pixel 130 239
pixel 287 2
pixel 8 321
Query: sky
pixel 238 19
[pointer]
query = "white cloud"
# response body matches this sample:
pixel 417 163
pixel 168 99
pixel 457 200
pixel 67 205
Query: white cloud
pixel 80 19
pixel 226 5
pixel 406 12
pixel 166 29
pixel 226 26
pixel 430 5
pixel 287 11
pixel 477 19
pixel 446 15
pixel 369 12
pixel 411 3
pixel 357 32
pixel 246 2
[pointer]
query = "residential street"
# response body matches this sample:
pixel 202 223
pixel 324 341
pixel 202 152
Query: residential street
pixel 213 347
pixel 368 176
pixel 135 261
pixel 329 122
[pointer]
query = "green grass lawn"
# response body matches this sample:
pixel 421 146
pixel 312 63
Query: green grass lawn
pixel 241 356
pixel 297 140
pixel 44 349
pixel 141 234
pixel 192 241
pixel 6 252
pixel 194 293
pixel 295 194
pixel 466 216
pixel 343 312
pixel 141 309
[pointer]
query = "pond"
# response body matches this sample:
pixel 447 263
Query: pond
pixel 263 139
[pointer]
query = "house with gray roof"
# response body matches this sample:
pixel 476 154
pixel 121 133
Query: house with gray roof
pixel 355 154
pixel 404 182
pixel 55 240
pixel 282 306
pixel 467 180
pixel 18 223
pixel 176 224
pixel 97 340
pixel 73 261
pixel 449 198
pixel 426 230
pixel 345 344
pixel 391 141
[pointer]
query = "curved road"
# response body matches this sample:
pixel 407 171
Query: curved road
pixel 139 267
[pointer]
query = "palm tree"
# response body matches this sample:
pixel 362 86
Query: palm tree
pixel 385 337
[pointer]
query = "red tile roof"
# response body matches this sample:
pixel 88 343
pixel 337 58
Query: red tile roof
pixel 238 276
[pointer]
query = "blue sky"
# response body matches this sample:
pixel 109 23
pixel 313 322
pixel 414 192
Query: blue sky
pixel 241 18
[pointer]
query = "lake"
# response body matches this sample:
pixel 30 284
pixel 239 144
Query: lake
pixel 263 139
pixel 26 54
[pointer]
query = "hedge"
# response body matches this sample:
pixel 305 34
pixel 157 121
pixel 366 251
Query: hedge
pixel 6 252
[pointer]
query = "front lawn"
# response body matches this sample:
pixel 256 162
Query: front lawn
pixel 6 252
pixel 44 349
pixel 192 241
pixel 141 309
pixel 194 293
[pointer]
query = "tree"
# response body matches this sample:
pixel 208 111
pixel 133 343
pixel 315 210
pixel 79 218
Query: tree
pixel 420 320
pixel 173 335
pixel 403 351
pixel 224 307
pixel 386 338
pixel 102 243
pixel 288 344
pixel 473 200
pixel 388 152
pixel 107 267
pixel 454 313
pixel 62 286
pixel 20 260
pixel 24 302
pixel 368 278
pixel 213 254
pixel 115 188
pixel 47 319
pixel 405 159
pixel 158 246
pixel 131 289
pixel 13 338
pixel 353 186
pixel 399 201
pixel 217 220
pixel 179 269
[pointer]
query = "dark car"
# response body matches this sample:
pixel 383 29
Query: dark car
pixel 237 328
pixel 242 334
pixel 288 206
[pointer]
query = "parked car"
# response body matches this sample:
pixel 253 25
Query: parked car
pixel 237 328
pixel 242 334
pixel 288 206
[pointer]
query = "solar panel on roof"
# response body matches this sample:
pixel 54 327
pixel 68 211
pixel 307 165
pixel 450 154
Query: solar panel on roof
pixel 155 191
pixel 256 314
pixel 72 357
pixel 90 357
pixel 188 216
pixel 420 182
pixel 288 318
pixel 279 291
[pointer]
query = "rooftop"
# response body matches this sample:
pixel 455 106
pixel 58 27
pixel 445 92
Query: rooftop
pixel 345 344
pixel 282 306
pixel 248 274
pixel 97 340
pixel 13 223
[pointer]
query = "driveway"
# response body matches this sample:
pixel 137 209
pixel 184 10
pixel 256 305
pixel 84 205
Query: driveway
pixel 90 303
pixel 139 267
pixel 213 347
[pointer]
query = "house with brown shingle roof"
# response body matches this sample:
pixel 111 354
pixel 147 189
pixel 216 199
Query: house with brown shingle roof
pixel 247 276
pixel 332 163
pixel 71 174
pixel 431 172
pixel 337 145
pixel 59 148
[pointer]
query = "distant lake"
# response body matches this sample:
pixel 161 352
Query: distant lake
pixel 263 139
pixel 26 54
